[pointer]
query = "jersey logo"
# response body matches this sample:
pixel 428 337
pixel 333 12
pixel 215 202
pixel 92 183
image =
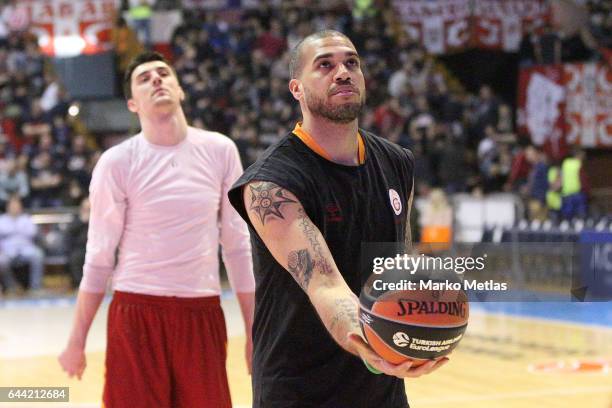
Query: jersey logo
pixel 396 203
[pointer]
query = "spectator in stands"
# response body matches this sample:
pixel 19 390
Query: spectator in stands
pixel 77 241
pixel 126 44
pixel 422 124
pixel 140 15
pixel 51 94
pixel 436 221
pixel 13 181
pixel 46 181
pixel 553 194
pixel 390 116
pixel 453 168
pixel 7 152
pixel 526 48
pixel 547 46
pixel 537 185
pixel 35 123
pixel 521 167
pixel 77 162
pixel 61 131
pixel 272 42
pixel 17 242
pixel 4 69
pixel 504 121
pixel 4 30
pixel 16 17
pixel 72 194
pixel 485 109
pixel 574 186
pixel 488 159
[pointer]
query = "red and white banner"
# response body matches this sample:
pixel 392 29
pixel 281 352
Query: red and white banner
pixel 449 25
pixel 440 26
pixel 566 104
pixel 67 28
pixel 588 110
pixel 541 106
pixel 502 24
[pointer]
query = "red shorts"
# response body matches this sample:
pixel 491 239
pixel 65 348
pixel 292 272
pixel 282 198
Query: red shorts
pixel 166 352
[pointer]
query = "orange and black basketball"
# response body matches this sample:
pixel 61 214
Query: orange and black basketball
pixel 419 324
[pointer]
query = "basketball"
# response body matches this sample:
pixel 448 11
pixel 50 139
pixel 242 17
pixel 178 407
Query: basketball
pixel 420 324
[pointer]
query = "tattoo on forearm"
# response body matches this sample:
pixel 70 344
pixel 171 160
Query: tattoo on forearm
pixel 300 265
pixel 408 236
pixel 266 200
pixel 345 309
pixel 310 231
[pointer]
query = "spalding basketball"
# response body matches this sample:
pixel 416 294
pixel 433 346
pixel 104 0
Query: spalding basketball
pixel 419 323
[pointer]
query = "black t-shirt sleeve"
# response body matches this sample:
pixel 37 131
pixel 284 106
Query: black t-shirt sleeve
pixel 409 167
pixel 277 168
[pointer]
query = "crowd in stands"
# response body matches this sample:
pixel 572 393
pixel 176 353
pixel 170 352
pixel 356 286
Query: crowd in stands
pixel 42 159
pixel 235 75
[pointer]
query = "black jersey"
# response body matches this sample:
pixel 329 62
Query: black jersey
pixel 296 362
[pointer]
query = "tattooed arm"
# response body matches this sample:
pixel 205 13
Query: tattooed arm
pixel 297 244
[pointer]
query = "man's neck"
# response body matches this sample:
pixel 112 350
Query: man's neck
pixel 339 140
pixel 165 130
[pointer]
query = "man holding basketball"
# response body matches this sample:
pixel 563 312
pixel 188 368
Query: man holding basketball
pixel 159 200
pixel 310 201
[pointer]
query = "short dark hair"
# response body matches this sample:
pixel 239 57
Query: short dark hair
pixel 140 59
pixel 295 62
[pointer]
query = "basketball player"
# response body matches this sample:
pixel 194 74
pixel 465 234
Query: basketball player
pixel 160 199
pixel 311 200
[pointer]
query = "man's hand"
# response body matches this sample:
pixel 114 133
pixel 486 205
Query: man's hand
pixel 73 361
pixel 404 370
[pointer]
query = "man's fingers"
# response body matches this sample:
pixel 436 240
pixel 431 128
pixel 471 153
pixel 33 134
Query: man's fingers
pixel 402 370
pixel 427 367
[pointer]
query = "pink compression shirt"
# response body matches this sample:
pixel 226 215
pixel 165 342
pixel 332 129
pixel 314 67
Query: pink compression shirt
pixel 165 209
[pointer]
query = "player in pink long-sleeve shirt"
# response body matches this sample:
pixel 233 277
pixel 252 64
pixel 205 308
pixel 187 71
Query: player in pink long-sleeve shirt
pixel 159 211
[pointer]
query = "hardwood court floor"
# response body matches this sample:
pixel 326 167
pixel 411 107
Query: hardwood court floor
pixel 490 368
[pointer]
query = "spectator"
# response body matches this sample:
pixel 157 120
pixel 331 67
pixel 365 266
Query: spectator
pixel 17 242
pixel 436 221
pixel 140 15
pixel 272 43
pixel 50 96
pixel 453 168
pixel 126 44
pixel 485 109
pixel 547 46
pixel 78 159
pixel 46 181
pixel 15 17
pixel 35 124
pixel 553 194
pixel 537 185
pixel 389 116
pixel 13 181
pixel 574 186
pixel 77 241
pixel 521 167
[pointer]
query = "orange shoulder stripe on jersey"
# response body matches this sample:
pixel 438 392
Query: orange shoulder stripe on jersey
pixel 314 146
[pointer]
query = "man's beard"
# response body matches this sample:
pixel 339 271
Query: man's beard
pixel 342 113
